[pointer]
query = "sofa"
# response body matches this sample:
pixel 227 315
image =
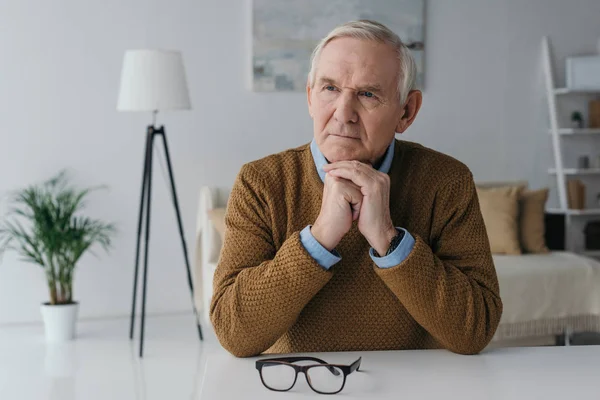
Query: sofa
pixel 545 296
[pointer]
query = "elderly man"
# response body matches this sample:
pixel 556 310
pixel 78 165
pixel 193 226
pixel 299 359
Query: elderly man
pixel 356 241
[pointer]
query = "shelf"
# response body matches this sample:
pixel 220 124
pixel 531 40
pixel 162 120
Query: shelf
pixel 585 211
pixel 572 131
pixel 576 171
pixel 576 91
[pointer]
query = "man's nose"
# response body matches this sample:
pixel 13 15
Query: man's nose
pixel 345 111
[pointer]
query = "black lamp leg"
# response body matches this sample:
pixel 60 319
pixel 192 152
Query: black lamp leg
pixel 185 252
pixel 139 233
pixel 144 213
pixel 145 279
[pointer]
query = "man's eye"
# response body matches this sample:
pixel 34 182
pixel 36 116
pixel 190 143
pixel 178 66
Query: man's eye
pixel 330 88
pixel 368 94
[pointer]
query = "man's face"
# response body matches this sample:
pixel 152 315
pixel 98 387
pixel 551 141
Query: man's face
pixel 354 100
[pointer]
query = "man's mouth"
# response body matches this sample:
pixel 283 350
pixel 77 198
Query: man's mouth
pixel 345 137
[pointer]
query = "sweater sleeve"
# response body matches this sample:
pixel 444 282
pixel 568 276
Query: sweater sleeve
pixel 451 288
pixel 258 290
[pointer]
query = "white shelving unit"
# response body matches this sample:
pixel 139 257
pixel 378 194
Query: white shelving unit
pixel 570 131
pixel 576 171
pixel 560 91
pixel 557 134
pixel 587 211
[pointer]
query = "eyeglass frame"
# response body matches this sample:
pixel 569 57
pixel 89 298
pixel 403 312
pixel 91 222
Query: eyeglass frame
pixel 346 370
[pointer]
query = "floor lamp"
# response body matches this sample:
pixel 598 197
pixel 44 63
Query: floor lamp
pixel 153 81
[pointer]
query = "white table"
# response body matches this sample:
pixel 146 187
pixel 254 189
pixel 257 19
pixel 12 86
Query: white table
pixel 511 373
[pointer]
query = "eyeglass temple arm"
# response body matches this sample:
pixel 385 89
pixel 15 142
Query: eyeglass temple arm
pixel 294 359
pixel 354 366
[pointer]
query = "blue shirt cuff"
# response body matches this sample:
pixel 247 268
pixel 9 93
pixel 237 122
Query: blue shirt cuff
pixel 398 255
pixel 324 257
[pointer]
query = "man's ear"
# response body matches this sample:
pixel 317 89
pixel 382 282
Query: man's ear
pixel 410 110
pixel 308 92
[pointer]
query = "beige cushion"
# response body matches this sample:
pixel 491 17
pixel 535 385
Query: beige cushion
pixel 498 184
pixel 533 204
pixel 500 210
pixel 217 217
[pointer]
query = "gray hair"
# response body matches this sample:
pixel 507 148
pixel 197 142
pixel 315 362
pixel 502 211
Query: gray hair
pixel 374 31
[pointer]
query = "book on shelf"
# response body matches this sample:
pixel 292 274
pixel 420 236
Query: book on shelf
pixel 576 194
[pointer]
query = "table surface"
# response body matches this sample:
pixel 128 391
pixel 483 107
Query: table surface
pixel 509 373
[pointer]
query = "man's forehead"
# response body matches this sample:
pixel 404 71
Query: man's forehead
pixel 360 60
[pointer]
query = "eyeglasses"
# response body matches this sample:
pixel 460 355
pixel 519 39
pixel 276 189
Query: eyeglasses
pixel 280 374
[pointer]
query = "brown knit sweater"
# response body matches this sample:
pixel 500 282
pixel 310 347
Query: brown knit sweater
pixel 271 296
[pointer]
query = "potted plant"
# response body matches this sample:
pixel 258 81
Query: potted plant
pixel 44 227
pixel 576 120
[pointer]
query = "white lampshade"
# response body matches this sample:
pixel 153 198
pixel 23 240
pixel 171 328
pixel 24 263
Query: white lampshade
pixel 153 80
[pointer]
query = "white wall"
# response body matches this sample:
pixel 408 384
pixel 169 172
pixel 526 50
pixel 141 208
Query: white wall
pixel 59 73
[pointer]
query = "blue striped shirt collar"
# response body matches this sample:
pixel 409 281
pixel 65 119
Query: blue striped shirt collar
pixel 320 159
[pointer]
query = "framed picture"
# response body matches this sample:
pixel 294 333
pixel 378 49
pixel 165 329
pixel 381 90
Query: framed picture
pixel 285 32
pixel 582 73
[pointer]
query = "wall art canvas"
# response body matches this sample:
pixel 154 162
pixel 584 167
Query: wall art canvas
pixel 285 33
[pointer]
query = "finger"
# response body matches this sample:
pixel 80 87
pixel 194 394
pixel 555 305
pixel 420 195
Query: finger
pixel 343 181
pixel 355 212
pixel 356 205
pixel 351 193
pixel 351 165
pixel 339 164
pixel 359 176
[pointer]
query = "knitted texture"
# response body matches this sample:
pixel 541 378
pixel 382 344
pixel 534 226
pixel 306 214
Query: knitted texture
pixel 271 296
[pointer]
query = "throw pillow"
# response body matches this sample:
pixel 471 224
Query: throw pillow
pixel 533 204
pixel 217 217
pixel 500 210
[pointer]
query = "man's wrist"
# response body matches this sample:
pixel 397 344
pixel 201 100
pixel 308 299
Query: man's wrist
pixel 383 245
pixel 400 248
pixel 316 232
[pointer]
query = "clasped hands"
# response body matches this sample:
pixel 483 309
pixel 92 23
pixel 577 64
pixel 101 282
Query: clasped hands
pixel 354 190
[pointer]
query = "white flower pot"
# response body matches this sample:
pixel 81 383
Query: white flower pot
pixel 60 321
